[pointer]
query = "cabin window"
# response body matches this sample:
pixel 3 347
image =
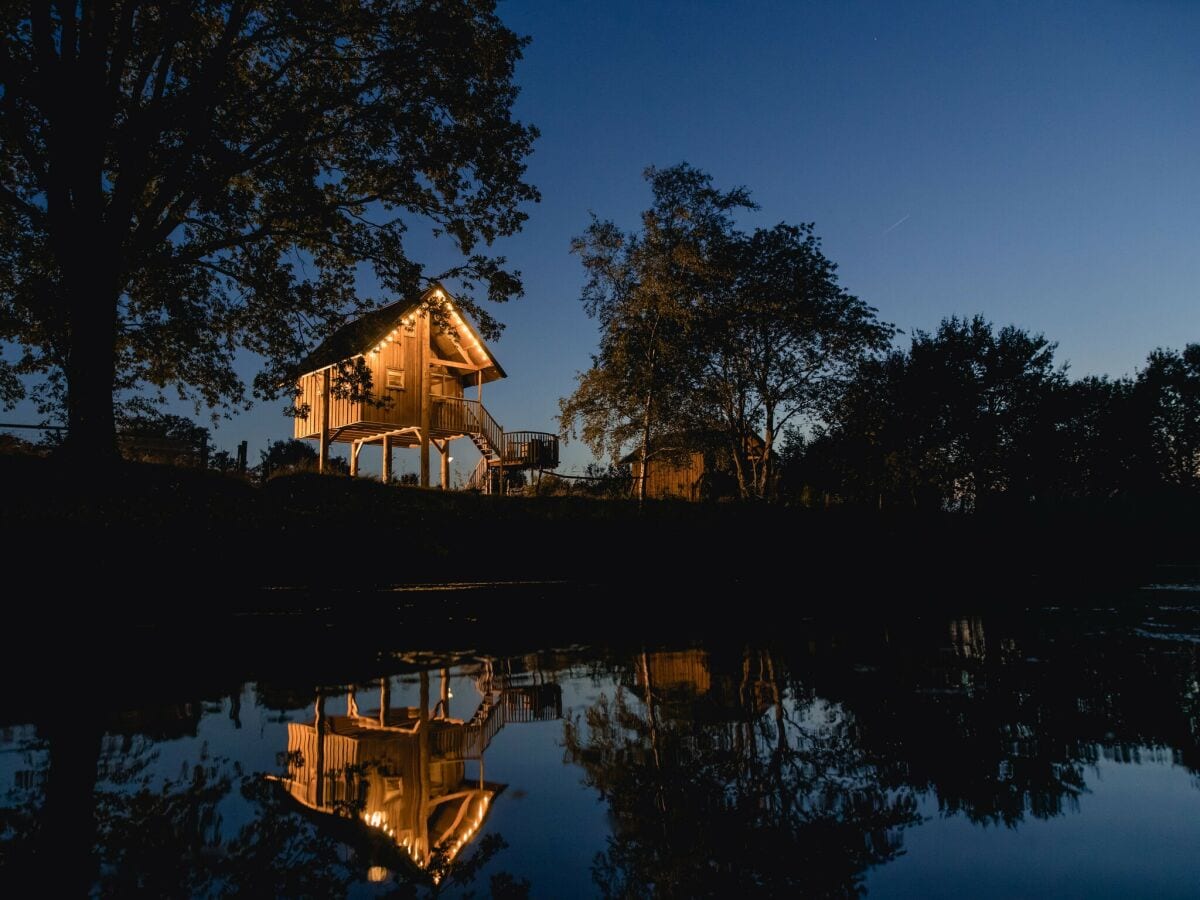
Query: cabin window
pixel 442 384
pixel 395 379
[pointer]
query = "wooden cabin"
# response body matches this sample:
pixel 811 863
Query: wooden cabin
pixel 426 360
pixel 695 465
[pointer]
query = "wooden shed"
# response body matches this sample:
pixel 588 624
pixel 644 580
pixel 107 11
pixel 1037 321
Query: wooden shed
pixel 424 356
pixel 691 465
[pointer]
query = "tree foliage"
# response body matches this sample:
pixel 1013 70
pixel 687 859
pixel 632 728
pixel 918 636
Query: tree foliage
pixel 704 327
pixel 184 179
pixel 972 415
pixel 1167 394
pixel 645 289
pixel 776 341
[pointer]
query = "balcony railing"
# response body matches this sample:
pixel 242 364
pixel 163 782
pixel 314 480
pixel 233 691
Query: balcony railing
pixel 457 415
pixel 531 449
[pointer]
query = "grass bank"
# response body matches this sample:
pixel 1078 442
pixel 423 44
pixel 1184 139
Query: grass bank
pixel 160 540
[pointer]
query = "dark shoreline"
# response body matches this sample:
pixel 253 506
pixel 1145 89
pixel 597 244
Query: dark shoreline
pixel 172 543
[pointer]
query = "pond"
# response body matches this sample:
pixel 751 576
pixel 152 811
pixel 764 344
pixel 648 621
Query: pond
pixel 1050 752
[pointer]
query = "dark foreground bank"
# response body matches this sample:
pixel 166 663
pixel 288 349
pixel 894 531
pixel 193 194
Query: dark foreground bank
pixel 158 539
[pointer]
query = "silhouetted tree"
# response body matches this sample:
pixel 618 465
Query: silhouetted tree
pixel 1098 445
pixel 222 461
pixel 179 180
pixel 1167 394
pixel 956 418
pixel 645 289
pixel 286 456
pixel 775 340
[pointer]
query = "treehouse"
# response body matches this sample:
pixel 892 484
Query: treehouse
pixel 423 356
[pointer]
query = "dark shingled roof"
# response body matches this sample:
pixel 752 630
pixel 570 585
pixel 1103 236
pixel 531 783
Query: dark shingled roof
pixel 358 336
pixel 688 441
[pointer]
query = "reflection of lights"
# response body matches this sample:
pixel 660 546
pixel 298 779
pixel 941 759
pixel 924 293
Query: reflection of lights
pixel 378 873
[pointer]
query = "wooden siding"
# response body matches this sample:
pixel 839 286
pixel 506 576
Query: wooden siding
pixel 678 669
pixel 674 477
pixel 342 411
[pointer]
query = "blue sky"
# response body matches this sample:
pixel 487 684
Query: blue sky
pixel 1037 162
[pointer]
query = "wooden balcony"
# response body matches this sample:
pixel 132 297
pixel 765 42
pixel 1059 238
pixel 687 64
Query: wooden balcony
pixel 531 450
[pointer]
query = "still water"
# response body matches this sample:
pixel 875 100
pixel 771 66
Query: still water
pixel 1048 753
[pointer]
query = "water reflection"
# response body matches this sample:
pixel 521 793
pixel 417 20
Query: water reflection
pixel 731 782
pixel 802 766
pixel 401 771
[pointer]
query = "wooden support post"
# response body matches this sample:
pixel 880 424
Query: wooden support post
pixel 423 781
pixel 319 763
pixel 426 399
pixel 503 451
pixel 479 386
pixel 385 474
pixel 355 446
pixel 323 459
pixel 445 448
pixel 385 699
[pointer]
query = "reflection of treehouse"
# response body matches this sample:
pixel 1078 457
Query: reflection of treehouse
pixel 402 771
pixel 422 354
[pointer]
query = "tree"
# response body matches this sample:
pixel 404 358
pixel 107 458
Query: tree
pixel 1167 394
pixel 287 456
pixel 184 179
pixel 732 792
pixel 1098 446
pixel 958 418
pixel 645 289
pixel 776 341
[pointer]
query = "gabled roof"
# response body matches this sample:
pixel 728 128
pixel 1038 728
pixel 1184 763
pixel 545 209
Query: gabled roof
pixel 358 337
pixel 693 440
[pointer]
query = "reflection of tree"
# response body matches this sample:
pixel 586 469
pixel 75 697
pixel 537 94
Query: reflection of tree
pixel 769 794
pixel 1006 727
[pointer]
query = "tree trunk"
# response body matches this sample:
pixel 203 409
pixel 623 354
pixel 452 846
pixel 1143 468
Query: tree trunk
pixel 768 469
pixel 641 496
pixel 67 833
pixel 91 367
pixel 739 465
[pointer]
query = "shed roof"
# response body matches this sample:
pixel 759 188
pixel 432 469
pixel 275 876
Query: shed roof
pixel 689 441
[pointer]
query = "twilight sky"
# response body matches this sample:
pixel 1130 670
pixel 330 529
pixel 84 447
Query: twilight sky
pixel 1037 162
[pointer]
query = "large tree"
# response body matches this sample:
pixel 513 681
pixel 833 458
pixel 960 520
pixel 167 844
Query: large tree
pixel 775 341
pixel 646 289
pixel 183 178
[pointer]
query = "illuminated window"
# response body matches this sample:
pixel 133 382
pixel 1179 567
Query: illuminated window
pixel 395 379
